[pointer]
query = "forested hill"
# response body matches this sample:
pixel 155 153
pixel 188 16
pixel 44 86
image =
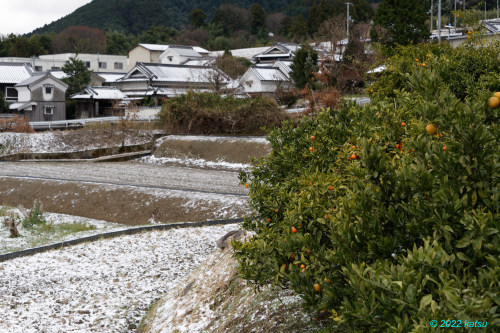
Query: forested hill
pixel 136 16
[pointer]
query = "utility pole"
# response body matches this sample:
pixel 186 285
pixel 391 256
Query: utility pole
pixel 432 13
pixel 348 17
pixel 485 10
pixel 455 15
pixel 439 21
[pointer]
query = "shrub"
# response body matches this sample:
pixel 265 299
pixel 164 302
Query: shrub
pixel 15 124
pixel 206 113
pixel 367 216
pixel 459 68
pixel 33 216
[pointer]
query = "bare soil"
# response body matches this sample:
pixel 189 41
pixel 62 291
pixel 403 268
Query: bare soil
pixel 231 150
pixel 125 205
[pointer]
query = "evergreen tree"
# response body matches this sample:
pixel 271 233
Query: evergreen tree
pixel 318 14
pixel 404 20
pixel 304 64
pixel 78 75
pixel 197 18
pixel 258 18
pixel 4 106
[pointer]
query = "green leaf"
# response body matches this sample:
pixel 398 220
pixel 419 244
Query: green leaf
pixel 426 300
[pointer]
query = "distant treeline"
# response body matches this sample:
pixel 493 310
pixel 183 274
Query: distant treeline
pixel 102 26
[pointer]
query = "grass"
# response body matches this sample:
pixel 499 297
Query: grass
pixel 47 229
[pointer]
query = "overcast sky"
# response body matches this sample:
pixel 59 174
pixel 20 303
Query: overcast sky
pixel 23 16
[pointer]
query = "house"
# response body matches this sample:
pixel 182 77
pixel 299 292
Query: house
pixel 10 75
pixel 150 53
pixel 265 80
pixel 104 78
pixel 178 55
pixel 99 102
pixel 41 97
pixel 279 51
pixel 93 62
pixel 162 80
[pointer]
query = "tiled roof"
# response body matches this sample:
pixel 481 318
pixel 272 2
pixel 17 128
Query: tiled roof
pixel 269 74
pixel 111 77
pixel 109 93
pixel 176 73
pixel 154 47
pixel 14 73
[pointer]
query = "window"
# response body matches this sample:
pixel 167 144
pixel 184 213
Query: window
pixel 118 65
pixel 39 68
pixel 48 109
pixel 103 65
pixel 170 58
pixel 49 89
pixel 54 68
pixel 11 94
pixel 87 64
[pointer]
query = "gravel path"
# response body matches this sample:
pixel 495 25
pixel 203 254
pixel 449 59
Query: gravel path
pixel 104 286
pixel 130 173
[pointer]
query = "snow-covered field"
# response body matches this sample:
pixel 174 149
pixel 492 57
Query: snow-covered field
pixel 103 286
pixel 34 237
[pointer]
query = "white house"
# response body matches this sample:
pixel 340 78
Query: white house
pixel 162 80
pixel 41 97
pixel 10 75
pixel 150 53
pixel 264 80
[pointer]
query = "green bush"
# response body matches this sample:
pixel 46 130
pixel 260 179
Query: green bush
pixel 394 226
pixel 207 113
pixel 466 69
pixel 35 216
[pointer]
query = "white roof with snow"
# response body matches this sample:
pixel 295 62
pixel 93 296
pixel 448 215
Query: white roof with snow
pixel 172 73
pixel 243 53
pixel 108 93
pixel 111 77
pixel 154 47
pixel 14 73
pixel 268 73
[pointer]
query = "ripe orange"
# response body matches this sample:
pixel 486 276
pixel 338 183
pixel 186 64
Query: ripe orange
pixel 416 60
pixel 276 210
pixel 302 266
pixel 497 94
pixel 353 157
pixel 371 90
pixel 317 287
pixel 493 102
pixel 403 124
pixel 294 230
pixel 431 129
pixel 268 220
pixel 444 148
pixel 313 137
pixel 423 65
pixel 311 149
pixel 246 185
pixel 330 188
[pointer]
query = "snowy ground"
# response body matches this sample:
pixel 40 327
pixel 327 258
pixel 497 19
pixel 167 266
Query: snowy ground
pixel 68 141
pixel 103 286
pixel 34 237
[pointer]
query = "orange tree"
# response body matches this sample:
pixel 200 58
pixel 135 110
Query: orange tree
pixel 376 221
